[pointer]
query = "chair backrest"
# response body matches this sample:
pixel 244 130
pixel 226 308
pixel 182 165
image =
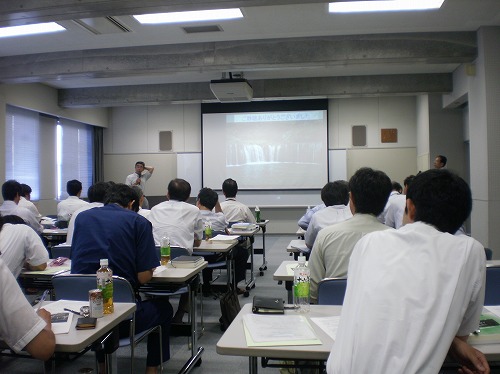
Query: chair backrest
pixel 489 254
pixel 61 250
pixel 77 286
pixel 492 292
pixel 331 291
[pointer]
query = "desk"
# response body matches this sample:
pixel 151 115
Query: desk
pixel 78 340
pixel 233 341
pixel 248 234
pixel 42 279
pixel 262 225
pixel 283 275
pixel 54 236
pixel 297 246
pixel 301 233
pixel 225 247
pixel 492 263
pixel 166 276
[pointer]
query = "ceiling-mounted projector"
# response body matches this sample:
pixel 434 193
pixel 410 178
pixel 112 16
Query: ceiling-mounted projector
pixel 232 90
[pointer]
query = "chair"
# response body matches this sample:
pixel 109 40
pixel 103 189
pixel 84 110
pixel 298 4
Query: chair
pixel 331 291
pixel 492 293
pixel 489 254
pixel 76 287
pixel 213 265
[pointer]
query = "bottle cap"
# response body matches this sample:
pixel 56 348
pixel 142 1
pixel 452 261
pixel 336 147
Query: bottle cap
pixel 103 262
pixel 257 209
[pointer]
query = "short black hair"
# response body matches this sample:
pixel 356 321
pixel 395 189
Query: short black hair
pixel 73 187
pixel 335 193
pixel 443 159
pixel 179 189
pixel 120 194
pixel 140 163
pixel 10 189
pixel 208 197
pixel 441 198
pixel 408 180
pixel 97 192
pixel 25 189
pixel 230 187
pixel 370 190
pixel 397 187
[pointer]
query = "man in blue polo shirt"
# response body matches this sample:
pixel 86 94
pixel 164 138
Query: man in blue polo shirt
pixel 126 239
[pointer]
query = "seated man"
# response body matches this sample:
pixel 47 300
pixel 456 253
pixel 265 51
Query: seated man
pixel 11 192
pixel 335 196
pixel 25 201
pixel 20 326
pixel 332 249
pixel 179 221
pixel 396 205
pixel 67 207
pixel 306 218
pixel 415 294
pixel 20 245
pixel 126 239
pixel 396 191
pixel 96 194
pixel 207 201
pixel 234 210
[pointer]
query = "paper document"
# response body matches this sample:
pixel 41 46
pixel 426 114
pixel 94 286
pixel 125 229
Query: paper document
pixel 224 238
pixel 61 319
pixel 329 325
pixel 53 270
pixel 269 330
pixel 495 309
pixel 300 245
pixel 159 269
pixel 291 267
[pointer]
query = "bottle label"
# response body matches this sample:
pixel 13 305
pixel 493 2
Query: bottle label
pixel 302 289
pixel 105 284
pixel 165 251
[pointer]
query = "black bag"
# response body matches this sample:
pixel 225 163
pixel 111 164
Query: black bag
pixel 229 307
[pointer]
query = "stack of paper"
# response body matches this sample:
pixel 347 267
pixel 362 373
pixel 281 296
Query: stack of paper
pixel 187 261
pixel 224 238
pixel 489 328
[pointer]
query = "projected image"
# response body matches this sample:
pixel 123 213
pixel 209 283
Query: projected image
pixel 279 150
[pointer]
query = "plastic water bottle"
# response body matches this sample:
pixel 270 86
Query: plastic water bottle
pixel 208 231
pixel 164 250
pixel 105 284
pixel 257 214
pixel 301 286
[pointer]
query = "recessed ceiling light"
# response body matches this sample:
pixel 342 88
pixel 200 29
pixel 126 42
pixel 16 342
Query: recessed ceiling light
pixel 193 16
pixel 383 6
pixel 37 28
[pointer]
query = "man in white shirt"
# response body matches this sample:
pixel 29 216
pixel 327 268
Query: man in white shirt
pixel 20 245
pixel 415 294
pixel 25 201
pixel 396 190
pixel 139 177
pixel 368 192
pixel 11 192
pixel 234 210
pixel 179 221
pixel 96 194
pixel 396 206
pixel 20 326
pixel 335 196
pixel 440 162
pixel 72 203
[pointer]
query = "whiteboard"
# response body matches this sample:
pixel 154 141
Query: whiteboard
pixel 189 168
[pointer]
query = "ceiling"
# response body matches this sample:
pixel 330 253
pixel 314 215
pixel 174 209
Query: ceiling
pixel 285 48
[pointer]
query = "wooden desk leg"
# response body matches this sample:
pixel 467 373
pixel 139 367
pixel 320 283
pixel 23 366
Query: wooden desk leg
pixel 252 365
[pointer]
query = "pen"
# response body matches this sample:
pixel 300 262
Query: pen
pixel 42 299
pixel 72 311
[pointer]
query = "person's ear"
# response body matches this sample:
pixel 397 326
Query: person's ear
pixel 352 204
pixel 129 206
pixel 410 212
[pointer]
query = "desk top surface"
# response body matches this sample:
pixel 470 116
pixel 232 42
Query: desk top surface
pixel 76 340
pixel 244 232
pixel 233 341
pixel 282 274
pixel 61 232
pixel 169 274
pixel 215 246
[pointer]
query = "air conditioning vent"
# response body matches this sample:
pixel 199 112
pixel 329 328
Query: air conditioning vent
pixel 201 29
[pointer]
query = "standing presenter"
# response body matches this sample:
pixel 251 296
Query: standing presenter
pixel 139 177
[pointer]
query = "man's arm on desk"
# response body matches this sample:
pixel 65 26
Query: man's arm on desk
pixel 42 346
pixel 470 359
pixel 145 276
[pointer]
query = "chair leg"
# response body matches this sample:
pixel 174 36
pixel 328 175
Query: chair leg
pixel 161 350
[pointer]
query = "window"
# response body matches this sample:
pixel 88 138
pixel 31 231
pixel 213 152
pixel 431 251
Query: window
pixel 45 152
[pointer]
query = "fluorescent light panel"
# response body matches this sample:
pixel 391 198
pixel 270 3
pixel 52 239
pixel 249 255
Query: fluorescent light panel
pixel 383 6
pixel 193 16
pixel 37 28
